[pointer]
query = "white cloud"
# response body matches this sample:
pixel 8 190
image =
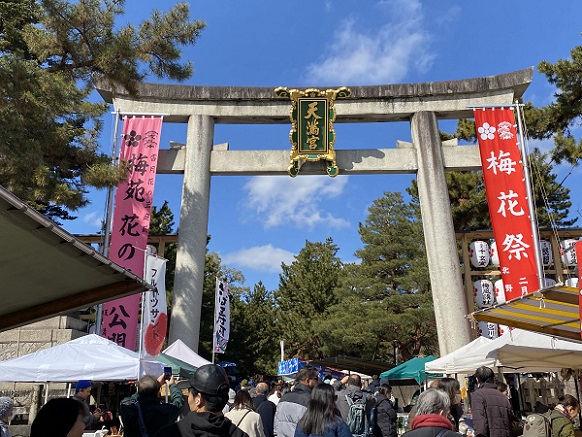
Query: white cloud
pixel 384 55
pixel 265 259
pixel 93 219
pixel 285 201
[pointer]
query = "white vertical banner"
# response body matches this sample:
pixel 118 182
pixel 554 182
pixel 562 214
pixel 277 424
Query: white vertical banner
pixel 155 310
pixel 221 317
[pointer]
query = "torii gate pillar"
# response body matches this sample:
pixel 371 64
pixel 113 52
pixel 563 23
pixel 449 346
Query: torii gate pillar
pixel 439 233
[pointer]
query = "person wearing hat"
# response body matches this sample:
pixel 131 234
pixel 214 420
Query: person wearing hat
pixel 6 414
pixel 82 393
pixel 207 396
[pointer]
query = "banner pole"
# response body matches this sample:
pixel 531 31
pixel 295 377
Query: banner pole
pixel 108 215
pixel 530 200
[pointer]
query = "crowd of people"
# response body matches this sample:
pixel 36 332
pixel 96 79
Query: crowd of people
pixel 310 408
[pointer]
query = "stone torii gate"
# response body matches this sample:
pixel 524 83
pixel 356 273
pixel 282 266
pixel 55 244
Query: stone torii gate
pixel 422 104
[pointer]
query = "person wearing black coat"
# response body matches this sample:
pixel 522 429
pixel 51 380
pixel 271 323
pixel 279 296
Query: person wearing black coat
pixel 385 425
pixel 265 408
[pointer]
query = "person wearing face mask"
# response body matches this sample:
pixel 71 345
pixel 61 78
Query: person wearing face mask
pixel 6 415
pixel 563 415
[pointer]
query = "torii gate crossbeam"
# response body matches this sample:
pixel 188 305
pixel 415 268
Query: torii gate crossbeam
pixel 422 104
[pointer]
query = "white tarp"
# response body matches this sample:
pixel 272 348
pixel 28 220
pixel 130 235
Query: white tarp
pixel 90 357
pixel 179 350
pixel 524 352
pixel 448 363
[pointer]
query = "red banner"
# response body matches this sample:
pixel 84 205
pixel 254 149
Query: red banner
pixel 131 221
pixel 507 198
pixel 578 252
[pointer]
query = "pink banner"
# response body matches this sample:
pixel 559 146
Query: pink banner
pixel 507 199
pixel 578 252
pixel 131 221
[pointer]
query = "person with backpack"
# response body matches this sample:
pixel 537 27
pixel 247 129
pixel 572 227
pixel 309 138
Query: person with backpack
pixel 349 393
pixel 563 415
pixel 385 416
pixel 321 418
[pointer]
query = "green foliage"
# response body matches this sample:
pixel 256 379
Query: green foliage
pixel 51 52
pixel 393 249
pixel 254 339
pixel 162 223
pixel 307 288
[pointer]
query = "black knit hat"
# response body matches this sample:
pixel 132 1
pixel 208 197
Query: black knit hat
pixel 211 380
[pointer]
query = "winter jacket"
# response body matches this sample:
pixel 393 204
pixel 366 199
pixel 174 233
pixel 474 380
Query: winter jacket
pixel 339 429
pixel 266 410
pixel 491 412
pixel 429 425
pixel 156 413
pixel 202 425
pixel 385 425
pixel 89 419
pixel 355 393
pixel 290 410
pixel 561 425
pixel 247 420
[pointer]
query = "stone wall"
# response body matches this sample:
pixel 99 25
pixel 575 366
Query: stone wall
pixel 28 396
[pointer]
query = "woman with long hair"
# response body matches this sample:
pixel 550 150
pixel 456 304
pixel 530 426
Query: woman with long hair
pixel 453 389
pixel 243 415
pixel 322 417
pixel 385 425
pixel 563 415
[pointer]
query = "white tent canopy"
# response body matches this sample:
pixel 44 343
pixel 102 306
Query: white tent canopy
pixel 90 357
pixel 448 363
pixel 524 352
pixel 179 350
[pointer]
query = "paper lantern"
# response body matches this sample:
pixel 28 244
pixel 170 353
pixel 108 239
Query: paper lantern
pixel 488 330
pixel 503 329
pixel 546 256
pixel 571 282
pixel 494 254
pixel 479 253
pixel 568 252
pixel 484 293
pixel 499 291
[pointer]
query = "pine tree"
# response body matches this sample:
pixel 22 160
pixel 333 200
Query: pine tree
pixel 307 288
pixel 162 223
pixel 386 297
pixel 51 54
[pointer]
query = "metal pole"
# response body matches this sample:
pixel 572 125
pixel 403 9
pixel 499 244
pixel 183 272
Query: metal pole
pixel 108 217
pixel 530 200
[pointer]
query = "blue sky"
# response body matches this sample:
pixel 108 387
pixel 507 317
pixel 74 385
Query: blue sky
pixel 258 222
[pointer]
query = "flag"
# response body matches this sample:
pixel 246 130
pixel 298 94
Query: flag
pixel 131 221
pixel 506 195
pixel 154 310
pixel 578 252
pixel 221 317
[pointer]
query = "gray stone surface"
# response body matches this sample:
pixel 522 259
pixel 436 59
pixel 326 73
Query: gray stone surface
pixel 397 102
pixel 189 279
pixel 439 236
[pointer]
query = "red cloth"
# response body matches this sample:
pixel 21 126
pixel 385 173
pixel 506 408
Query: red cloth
pixel 425 420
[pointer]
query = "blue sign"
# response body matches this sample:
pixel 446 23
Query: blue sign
pixel 289 367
